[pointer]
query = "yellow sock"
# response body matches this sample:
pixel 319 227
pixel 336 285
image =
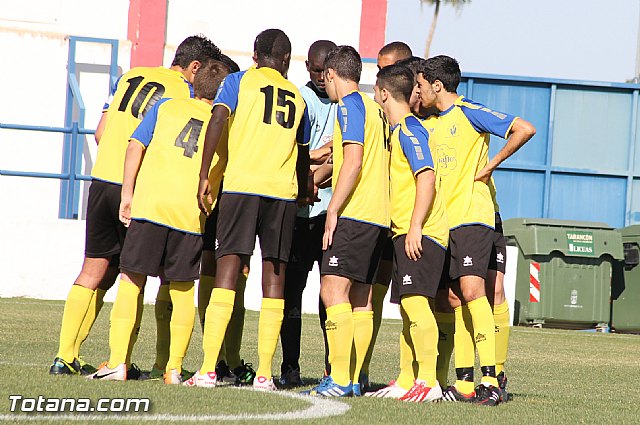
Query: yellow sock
pixel 424 334
pixel 75 309
pixel 215 326
pixel 362 334
pixel 339 327
pixel 485 338
pixel 269 324
pixel 233 337
pixel 407 373
pixel 503 328
pixel 183 318
pixel 97 301
pixel 378 293
pixel 465 350
pixel 204 295
pixel 136 327
pixel 123 320
pixel 163 326
pixel 446 329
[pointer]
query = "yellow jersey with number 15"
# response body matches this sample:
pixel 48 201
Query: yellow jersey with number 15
pixel 133 95
pixel 167 184
pixel 266 125
pixel 361 120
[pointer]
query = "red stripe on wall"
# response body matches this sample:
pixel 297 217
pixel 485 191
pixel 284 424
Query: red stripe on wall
pixel 373 24
pixel 146 31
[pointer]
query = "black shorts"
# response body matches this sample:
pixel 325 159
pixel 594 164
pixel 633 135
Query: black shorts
pixel 104 231
pixel 387 251
pixel 242 217
pixel 498 259
pixel 420 277
pixel 355 252
pixel 469 251
pixel 209 235
pixel 306 248
pixel 150 247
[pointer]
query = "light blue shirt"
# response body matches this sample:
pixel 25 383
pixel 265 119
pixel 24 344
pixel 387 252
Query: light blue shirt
pixel 322 116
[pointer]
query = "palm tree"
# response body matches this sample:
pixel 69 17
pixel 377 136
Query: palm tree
pixel 455 3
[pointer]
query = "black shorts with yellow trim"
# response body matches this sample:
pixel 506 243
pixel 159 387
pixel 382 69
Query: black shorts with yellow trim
pixel 355 252
pixel 498 259
pixel 151 248
pixel 105 233
pixel 242 217
pixel 469 250
pixel 420 277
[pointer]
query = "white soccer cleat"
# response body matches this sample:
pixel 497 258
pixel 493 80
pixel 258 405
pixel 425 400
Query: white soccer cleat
pixel 263 384
pixel 393 390
pixel 206 380
pixel 105 373
pixel 420 392
pixel 173 377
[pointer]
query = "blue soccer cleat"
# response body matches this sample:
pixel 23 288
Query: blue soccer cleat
pixel 328 388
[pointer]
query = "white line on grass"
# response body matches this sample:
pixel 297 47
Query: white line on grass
pixel 320 408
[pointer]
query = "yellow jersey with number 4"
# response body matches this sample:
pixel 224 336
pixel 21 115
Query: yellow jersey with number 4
pixel 266 125
pixel 462 138
pixel 410 155
pixel 133 95
pixel 167 184
pixel 361 120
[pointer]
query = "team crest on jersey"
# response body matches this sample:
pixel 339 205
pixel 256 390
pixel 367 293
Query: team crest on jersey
pixel 447 161
pixel 406 280
pixel 453 130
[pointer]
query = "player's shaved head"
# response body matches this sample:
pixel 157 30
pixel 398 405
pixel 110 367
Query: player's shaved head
pixel 444 69
pixel 272 44
pixel 346 63
pixel 392 53
pixel 208 79
pixel 398 80
pixel 319 49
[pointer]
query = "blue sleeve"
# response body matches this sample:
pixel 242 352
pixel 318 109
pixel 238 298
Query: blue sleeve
pixel 485 120
pixel 144 132
pixel 304 129
pixel 351 115
pixel 415 147
pixel 228 91
pixel 112 92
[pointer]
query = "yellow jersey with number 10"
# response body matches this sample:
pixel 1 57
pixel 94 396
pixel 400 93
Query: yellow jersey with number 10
pixel 266 126
pixel 133 95
pixel 361 120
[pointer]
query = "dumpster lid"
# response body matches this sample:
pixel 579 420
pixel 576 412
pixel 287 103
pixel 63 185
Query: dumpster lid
pixel 518 222
pixel 630 230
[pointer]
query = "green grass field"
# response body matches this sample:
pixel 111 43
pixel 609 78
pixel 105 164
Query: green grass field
pixel 556 377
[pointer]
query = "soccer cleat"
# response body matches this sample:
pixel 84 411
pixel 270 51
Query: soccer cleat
pixel 488 395
pixel 357 389
pixel 60 367
pixel 244 374
pixel 291 378
pixel 105 373
pixel 206 380
pixel 363 380
pixel 85 368
pixel 223 372
pixel 155 374
pixel 393 390
pixel 420 392
pixel 263 384
pixel 452 394
pixel 502 383
pixel 328 388
pixel 134 373
pixel 173 377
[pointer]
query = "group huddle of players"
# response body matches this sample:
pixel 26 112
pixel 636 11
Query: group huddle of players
pixel 396 188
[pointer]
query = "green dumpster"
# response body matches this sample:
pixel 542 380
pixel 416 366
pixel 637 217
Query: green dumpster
pixel 625 286
pixel 564 271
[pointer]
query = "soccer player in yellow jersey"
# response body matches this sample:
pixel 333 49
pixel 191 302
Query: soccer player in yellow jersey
pixel 357 221
pixel 131 98
pixel 462 143
pixel 419 224
pixel 267 170
pixel 165 224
